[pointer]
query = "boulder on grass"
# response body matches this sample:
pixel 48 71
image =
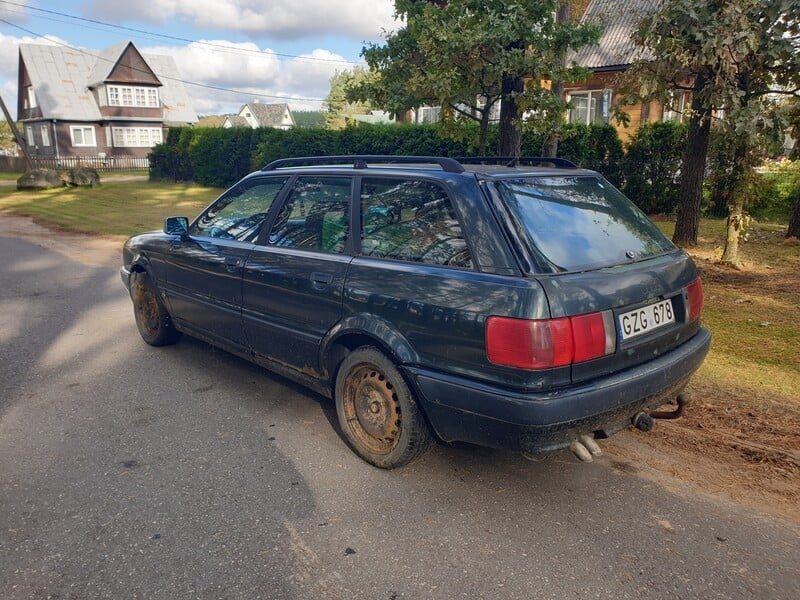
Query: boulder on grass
pixel 40 179
pixel 82 176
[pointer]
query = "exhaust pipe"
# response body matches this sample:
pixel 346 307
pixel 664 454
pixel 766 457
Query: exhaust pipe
pixel 585 448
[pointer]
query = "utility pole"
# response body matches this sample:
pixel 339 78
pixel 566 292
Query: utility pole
pixel 17 136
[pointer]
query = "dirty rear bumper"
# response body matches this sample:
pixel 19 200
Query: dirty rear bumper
pixel 461 409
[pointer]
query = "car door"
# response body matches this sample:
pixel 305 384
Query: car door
pixel 292 284
pixel 202 272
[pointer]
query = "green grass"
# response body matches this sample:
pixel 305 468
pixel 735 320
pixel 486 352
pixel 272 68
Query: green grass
pixel 112 208
pixel 753 313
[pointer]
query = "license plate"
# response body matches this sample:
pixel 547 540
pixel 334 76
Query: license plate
pixel 645 319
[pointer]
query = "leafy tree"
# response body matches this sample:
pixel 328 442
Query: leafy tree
pixel 6 137
pixel 337 104
pixel 732 57
pixel 468 55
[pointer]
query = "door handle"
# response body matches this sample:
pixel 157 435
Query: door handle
pixel 232 264
pixel 321 280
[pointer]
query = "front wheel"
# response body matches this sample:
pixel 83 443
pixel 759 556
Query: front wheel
pixel 152 319
pixel 377 412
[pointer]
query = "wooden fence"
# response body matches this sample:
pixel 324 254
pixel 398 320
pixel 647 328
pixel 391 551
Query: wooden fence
pixel 101 163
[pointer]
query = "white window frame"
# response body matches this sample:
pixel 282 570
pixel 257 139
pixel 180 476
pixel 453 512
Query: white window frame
pixel 45 136
pixel 29 135
pixel 674 106
pixel 82 130
pixel 126 95
pixel 31 97
pixel 136 137
pixel 428 114
pixel 592 97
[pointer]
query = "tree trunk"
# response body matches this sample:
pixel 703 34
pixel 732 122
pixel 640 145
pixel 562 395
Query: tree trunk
pixel 551 144
pixel 730 255
pixel 693 167
pixel 513 85
pixel 510 142
pixel 794 220
pixel 483 131
pixel 736 219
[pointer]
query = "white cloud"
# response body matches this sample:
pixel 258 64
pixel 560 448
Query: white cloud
pixel 257 74
pixel 282 19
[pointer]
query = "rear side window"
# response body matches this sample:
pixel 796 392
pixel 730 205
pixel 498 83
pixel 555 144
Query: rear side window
pixel 315 215
pixel 580 223
pixel 411 220
pixel 238 214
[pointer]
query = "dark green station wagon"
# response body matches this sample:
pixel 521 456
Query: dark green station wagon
pixel 529 308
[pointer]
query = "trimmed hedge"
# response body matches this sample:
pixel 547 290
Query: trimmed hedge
pixel 220 157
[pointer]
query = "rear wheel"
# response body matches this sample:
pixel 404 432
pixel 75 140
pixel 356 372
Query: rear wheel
pixel 377 412
pixel 152 319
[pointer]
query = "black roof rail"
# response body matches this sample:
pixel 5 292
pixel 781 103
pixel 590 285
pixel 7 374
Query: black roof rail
pixel 449 165
pixel 513 161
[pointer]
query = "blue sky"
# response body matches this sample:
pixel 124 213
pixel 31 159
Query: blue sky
pixel 272 50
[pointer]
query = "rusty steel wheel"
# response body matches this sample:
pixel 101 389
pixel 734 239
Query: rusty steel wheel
pixel 152 319
pixel 377 412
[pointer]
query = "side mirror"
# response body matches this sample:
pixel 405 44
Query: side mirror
pixel 176 226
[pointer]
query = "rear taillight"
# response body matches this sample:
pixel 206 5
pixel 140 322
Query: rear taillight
pixel 548 343
pixel 695 299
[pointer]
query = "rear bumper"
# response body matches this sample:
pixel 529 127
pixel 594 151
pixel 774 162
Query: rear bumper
pixel 463 410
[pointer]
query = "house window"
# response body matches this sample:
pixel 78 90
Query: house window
pixel 673 106
pixel 29 135
pixel 428 114
pixel 119 95
pixel 136 137
pixel 45 135
pixel 30 97
pixel 82 136
pixel 590 107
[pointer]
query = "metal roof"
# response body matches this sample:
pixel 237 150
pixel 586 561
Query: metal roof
pixel 618 20
pixel 61 77
pixel 268 115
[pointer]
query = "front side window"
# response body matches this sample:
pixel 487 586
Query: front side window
pixel 238 214
pixel 29 135
pixel 82 136
pixel 45 135
pixel 580 223
pixel 315 216
pixel 411 220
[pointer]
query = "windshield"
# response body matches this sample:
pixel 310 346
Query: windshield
pixel 581 222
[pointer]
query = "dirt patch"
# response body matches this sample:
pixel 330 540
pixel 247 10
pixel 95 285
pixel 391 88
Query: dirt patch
pixel 91 250
pixel 736 440
pixel 723 446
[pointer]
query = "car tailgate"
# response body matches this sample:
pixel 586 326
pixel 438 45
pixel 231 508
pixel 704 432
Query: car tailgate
pixel 625 290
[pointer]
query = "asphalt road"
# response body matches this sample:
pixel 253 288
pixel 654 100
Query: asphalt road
pixel 133 472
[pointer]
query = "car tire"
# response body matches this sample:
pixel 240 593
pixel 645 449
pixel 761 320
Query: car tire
pixel 152 319
pixel 377 412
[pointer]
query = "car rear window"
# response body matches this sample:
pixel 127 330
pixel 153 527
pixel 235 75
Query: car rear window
pixel 581 222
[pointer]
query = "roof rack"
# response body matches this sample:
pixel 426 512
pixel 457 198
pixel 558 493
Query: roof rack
pixel 448 165
pixel 513 161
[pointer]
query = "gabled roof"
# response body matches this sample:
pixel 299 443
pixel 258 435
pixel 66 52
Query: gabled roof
pixel 122 58
pixel 618 19
pixel 268 115
pixel 235 121
pixel 61 78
